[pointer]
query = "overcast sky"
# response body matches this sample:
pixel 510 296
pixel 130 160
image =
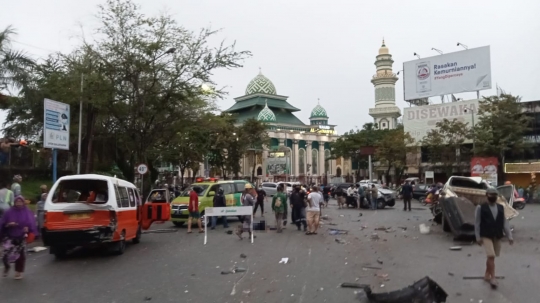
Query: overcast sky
pixel 314 49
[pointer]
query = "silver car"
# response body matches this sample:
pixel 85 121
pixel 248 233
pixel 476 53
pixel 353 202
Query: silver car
pixel 270 188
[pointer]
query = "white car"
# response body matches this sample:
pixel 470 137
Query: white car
pixel 288 185
pixel 270 188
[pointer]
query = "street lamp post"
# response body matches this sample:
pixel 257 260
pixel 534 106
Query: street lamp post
pixel 468 109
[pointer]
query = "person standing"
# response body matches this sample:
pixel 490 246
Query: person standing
pixel 16 185
pixel 261 198
pixel 219 201
pixel 298 207
pixel 361 196
pixel 326 195
pixel 249 200
pixel 279 205
pixel 42 190
pixel 40 212
pixel 350 195
pixel 6 198
pixel 193 208
pixel 374 192
pixel 315 200
pixel 15 226
pixel 407 192
pixel 341 196
pixel 489 226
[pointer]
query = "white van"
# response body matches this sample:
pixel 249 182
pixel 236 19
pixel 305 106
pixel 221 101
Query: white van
pixel 84 210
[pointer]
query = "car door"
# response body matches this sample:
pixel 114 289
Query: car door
pixel 156 208
pixel 507 191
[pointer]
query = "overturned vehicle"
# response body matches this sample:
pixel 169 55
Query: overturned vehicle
pixel 460 196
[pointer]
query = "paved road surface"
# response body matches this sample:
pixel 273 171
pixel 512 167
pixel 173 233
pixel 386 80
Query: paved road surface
pixel 177 267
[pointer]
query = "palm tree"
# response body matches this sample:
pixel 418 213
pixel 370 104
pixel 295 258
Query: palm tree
pixel 14 64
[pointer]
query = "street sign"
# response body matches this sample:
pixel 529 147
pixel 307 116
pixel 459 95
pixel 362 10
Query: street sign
pixel 226 211
pixel 55 124
pixel 430 174
pixel 142 169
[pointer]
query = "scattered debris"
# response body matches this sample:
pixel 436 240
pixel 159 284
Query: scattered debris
pixel 480 277
pixel 338 232
pixel 381 228
pixel 246 291
pixel 390 230
pixel 455 248
pixel 240 269
pixel 160 231
pixel 383 276
pixel 375 237
pixel 229 232
pixel 354 285
pixel 402 227
pixel 363 227
pixel 371 267
pixel 325 217
pixel 332 224
pixel 360 214
pixel 451 274
pixel 243 256
pixel 148 298
pixel 422 291
pixel 340 241
pixel 379 261
pixel 468 255
pixel 284 261
pixel 342 215
pixel 424 229
pixel 37 249
pixel 458 294
pixel 321 289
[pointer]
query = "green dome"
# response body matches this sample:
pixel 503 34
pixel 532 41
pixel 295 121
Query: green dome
pixel 318 112
pixel 262 85
pixel 266 115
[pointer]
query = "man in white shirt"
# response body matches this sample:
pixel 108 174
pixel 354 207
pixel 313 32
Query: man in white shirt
pixel 313 211
pixel 350 195
pixel 478 168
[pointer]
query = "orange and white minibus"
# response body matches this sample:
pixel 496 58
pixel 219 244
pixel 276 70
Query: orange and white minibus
pixel 89 210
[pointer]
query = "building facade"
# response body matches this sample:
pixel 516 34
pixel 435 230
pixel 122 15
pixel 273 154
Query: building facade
pixel 296 151
pixel 385 113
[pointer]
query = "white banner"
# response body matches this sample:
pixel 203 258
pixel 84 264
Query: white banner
pixel 55 124
pixel 463 71
pixel 227 211
pixel 419 120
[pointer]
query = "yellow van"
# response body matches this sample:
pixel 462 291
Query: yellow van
pixel 232 189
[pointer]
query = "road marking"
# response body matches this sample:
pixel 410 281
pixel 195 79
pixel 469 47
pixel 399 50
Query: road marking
pixel 302 294
pixel 309 254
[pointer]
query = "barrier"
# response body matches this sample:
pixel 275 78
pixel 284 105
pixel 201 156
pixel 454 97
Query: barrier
pixel 227 211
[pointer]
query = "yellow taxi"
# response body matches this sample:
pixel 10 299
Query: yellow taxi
pixel 232 189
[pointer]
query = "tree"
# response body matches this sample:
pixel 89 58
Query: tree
pixel 445 144
pixel 253 135
pixel 501 127
pixel 392 150
pixel 14 65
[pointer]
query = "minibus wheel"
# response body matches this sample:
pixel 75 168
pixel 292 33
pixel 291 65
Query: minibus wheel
pixel 59 252
pixel 137 238
pixel 178 224
pixel 120 246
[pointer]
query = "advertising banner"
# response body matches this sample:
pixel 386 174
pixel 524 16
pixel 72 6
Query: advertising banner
pixel 485 168
pixel 463 71
pixel 419 120
pixel 55 124
pixel 277 166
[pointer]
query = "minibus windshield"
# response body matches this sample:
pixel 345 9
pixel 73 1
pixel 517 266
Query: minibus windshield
pixel 81 190
pixel 202 186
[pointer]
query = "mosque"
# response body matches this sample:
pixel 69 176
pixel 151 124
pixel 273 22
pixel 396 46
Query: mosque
pixel 297 151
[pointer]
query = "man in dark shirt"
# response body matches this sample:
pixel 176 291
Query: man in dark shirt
pixel 407 191
pixel 261 197
pixel 219 201
pixel 489 225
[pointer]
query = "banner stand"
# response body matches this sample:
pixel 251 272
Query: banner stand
pixel 226 212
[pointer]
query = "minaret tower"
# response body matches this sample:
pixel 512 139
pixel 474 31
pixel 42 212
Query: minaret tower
pixel 386 112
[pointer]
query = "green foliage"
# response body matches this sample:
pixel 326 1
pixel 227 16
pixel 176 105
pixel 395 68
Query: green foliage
pixel 445 145
pixel 14 64
pixel 392 150
pixel 501 127
pixel 253 135
pixel 347 146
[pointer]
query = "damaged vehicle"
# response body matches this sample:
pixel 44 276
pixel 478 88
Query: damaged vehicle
pixel 96 210
pixel 461 196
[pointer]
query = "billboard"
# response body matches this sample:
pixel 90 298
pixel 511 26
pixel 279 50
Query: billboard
pixel 485 168
pixel 419 120
pixel 463 71
pixel 55 124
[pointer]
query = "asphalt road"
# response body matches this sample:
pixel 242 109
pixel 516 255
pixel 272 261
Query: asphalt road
pixel 177 267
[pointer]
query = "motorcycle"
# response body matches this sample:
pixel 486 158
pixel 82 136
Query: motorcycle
pixel 519 203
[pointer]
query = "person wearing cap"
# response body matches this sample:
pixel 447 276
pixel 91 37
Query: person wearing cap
pixel 193 208
pixel 489 226
pixel 247 200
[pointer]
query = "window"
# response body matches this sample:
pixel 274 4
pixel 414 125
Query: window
pixel 138 197
pixel 240 186
pixel 214 188
pixel 132 198
pixel 228 188
pixel 117 192
pixel 124 198
pixel 384 125
pixel 269 185
pixel 81 190
pixel 314 161
pixel 202 186
pixel 302 161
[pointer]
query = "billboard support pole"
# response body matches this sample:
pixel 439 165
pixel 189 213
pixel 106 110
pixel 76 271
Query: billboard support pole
pixel 369 165
pixel 478 94
pixel 80 127
pixel 54 163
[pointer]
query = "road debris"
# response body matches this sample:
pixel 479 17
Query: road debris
pixel 424 229
pixel 371 267
pixel 480 277
pixel 451 274
pixel 422 291
pixel 354 285
pixel 160 231
pixel 379 261
pixel 148 298
pixel 402 227
pixel 337 232
pixel 284 261
pixel 243 256
pixel 381 228
pixel 37 249
pixel 340 241
pixel 375 237
pixel 455 248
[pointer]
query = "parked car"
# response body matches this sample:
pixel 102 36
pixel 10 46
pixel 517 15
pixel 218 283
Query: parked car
pixel 270 188
pixel 387 197
pixel 343 186
pixel 420 191
pixel 288 185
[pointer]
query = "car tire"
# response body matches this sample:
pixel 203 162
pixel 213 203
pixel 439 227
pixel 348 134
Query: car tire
pixel 59 252
pixel 391 203
pixel 138 236
pixel 119 247
pixel 381 204
pixel 178 224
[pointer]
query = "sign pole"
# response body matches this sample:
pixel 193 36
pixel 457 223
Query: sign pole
pixel 142 184
pixel 80 128
pixel 54 163
pixel 205 229
pixel 251 228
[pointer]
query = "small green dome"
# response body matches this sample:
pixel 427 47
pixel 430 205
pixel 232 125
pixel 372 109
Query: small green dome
pixel 266 115
pixel 318 112
pixel 262 85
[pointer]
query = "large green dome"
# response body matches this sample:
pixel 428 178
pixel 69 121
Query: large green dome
pixel 318 112
pixel 266 115
pixel 262 85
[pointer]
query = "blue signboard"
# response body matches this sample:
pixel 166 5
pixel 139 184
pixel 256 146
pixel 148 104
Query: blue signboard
pixel 56 125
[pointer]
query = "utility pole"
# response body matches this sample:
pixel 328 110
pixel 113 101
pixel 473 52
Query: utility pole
pixel 80 127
